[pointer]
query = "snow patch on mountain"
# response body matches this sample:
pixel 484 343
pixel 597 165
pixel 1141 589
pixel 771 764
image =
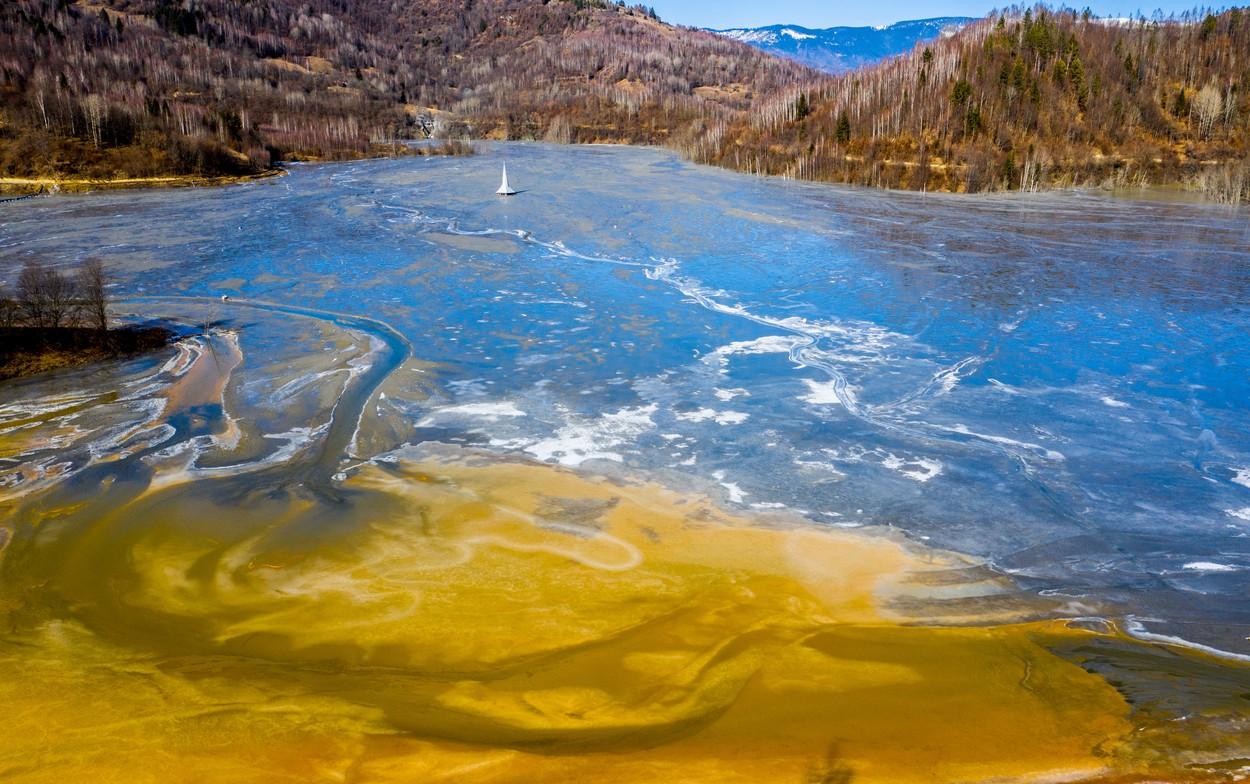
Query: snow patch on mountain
pixel 796 35
pixel 841 49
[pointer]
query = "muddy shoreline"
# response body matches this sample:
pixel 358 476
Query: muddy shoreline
pixel 35 186
pixel 27 351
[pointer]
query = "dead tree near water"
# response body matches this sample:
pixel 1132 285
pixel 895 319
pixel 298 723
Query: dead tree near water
pixel 8 309
pixel 53 320
pixel 92 300
pixel 29 301
pixel 46 299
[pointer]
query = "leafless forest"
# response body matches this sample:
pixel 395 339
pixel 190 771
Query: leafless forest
pixel 51 319
pixel 1034 98
pixel 47 299
pixel 143 87
pixel 1030 99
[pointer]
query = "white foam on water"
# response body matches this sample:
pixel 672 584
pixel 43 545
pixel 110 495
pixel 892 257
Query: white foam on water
pixel 921 469
pixel 490 411
pixel 819 466
pixel 1107 400
pixel 947 379
pixel 188 352
pixel 729 394
pixel 769 344
pixel 1242 476
pixel 1137 629
pixel 143 404
pixel 294 440
pixel 822 345
pixel 591 439
pixel 13 410
pixel 1209 566
pixel 719 417
pixel 296 385
pixel 826 346
pixel 735 493
pixel 1003 387
pixel 1240 514
pixel 1049 454
pixel 826 393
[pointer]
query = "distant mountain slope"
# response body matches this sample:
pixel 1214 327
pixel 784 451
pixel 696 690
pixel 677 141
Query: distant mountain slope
pixel 116 88
pixel 840 49
pixel 1034 99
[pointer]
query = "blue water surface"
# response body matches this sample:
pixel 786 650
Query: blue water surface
pixel 1059 383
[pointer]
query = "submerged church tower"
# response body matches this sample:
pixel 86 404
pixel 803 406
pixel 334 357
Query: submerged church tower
pixel 504 188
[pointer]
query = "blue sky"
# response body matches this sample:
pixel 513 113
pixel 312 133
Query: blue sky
pixel 826 13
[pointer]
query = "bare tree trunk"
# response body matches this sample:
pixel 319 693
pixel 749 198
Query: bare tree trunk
pixel 95 117
pixel 8 309
pixel 46 297
pixel 62 308
pixel 92 279
pixel 30 294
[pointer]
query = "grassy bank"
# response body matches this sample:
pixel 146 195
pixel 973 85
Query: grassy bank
pixel 23 186
pixel 25 351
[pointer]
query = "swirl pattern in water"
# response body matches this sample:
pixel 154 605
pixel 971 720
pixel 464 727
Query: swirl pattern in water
pixel 650 473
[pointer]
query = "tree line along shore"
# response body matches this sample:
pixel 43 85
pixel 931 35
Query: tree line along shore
pixel 51 320
pixel 12 188
pixel 1036 98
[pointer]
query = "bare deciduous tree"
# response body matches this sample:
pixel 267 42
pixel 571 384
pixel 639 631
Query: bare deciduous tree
pixel 30 294
pixel 1208 107
pixel 92 280
pixel 62 305
pixel 45 297
pixel 8 308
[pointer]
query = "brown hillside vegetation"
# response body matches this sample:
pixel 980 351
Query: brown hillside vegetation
pixel 134 88
pixel 1031 99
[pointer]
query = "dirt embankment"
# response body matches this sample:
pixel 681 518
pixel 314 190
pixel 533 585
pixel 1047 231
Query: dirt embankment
pixel 25 351
pixel 24 186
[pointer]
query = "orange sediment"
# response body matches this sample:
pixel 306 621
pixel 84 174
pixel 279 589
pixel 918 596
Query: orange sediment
pixel 465 619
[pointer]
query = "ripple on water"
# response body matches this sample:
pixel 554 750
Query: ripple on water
pixel 221 566
pixel 458 599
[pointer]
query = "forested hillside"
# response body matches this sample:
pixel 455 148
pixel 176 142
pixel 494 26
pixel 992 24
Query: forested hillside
pixel 1038 99
pixel 1033 99
pixel 147 87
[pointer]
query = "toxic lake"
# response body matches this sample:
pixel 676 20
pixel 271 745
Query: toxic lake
pixel 651 472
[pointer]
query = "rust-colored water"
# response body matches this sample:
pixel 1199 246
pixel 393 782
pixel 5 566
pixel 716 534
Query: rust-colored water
pixel 437 614
pixel 469 620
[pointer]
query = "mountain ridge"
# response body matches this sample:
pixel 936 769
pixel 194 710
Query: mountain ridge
pixel 844 48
